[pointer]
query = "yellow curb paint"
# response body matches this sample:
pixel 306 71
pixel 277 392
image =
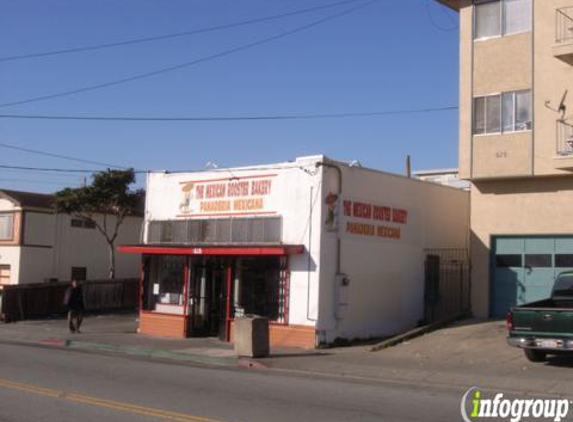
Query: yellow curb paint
pixel 109 404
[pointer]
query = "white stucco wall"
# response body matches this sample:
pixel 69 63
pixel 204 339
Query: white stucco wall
pixel 39 228
pixel 386 275
pixel 10 255
pixel 6 205
pixel 52 247
pixel 9 251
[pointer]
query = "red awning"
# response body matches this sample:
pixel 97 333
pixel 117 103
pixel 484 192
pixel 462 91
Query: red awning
pixel 213 250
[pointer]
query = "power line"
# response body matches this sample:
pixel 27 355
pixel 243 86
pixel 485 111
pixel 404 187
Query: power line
pixel 193 62
pixel 229 118
pixel 34 181
pixel 44 169
pixel 55 170
pixel 175 35
pixel 41 173
pixel 63 157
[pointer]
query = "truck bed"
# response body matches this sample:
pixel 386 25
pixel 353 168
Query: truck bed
pixel 544 318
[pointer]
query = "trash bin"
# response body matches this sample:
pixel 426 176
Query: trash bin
pixel 251 336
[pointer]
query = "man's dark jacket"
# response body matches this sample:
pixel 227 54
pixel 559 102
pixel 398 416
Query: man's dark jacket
pixel 74 299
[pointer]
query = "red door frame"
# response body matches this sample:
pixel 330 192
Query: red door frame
pixel 186 298
pixel 228 304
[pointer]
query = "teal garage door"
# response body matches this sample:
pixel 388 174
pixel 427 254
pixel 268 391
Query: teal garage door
pixel 524 268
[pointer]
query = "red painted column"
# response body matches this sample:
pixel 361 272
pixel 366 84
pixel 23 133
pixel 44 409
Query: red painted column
pixel 186 296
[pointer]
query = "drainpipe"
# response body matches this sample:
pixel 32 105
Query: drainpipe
pixel 339 276
pixel 309 262
pixel 339 193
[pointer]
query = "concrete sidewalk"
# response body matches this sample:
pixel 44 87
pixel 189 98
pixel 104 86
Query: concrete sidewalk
pixel 467 354
pixel 117 333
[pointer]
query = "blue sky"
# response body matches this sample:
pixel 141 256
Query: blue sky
pixel 391 55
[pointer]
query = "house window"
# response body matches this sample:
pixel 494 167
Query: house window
pixel 502 17
pixel 79 273
pixel 502 113
pixel 4 274
pixel 6 226
pixel 81 223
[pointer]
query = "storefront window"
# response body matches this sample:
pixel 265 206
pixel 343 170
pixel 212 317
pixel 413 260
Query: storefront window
pixel 219 289
pixel 260 288
pixel 164 284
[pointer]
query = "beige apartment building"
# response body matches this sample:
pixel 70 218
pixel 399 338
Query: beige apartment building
pixel 516 145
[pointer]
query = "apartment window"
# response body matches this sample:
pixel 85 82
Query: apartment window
pixel 517 16
pixel 516 111
pixel 502 113
pixel 488 19
pixel 487 115
pixel 502 17
pixel 6 226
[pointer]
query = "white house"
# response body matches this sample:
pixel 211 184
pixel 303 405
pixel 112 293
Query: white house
pixel 37 244
pixel 325 249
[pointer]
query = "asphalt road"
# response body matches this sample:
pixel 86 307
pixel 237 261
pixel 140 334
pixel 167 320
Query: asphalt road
pixel 58 385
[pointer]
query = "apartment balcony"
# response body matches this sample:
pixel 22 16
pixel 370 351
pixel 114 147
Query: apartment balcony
pixel 563 48
pixel 564 158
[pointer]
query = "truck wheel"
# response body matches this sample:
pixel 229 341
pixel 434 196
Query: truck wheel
pixel 535 355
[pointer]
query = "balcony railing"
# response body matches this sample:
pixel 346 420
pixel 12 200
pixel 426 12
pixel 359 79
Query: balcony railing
pixel 564 25
pixel 564 138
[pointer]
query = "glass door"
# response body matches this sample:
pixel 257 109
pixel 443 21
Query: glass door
pixel 208 296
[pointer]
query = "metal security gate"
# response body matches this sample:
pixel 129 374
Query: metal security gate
pixel 447 284
pixel 523 269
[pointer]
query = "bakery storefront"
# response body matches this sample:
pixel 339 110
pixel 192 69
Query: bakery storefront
pixel 326 250
pixel 198 291
pixel 216 248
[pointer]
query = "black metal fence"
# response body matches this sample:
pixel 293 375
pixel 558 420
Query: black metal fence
pixel 564 138
pixel 33 301
pixel 448 288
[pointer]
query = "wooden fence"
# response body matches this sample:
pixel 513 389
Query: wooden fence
pixel 33 301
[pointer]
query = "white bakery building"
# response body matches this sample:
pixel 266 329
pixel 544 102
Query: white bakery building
pixel 324 249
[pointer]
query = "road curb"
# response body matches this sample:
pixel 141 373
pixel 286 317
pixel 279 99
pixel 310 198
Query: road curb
pixel 153 353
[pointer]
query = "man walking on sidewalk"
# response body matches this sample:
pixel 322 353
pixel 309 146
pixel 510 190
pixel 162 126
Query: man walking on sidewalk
pixel 74 300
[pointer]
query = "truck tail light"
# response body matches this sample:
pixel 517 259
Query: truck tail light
pixel 509 321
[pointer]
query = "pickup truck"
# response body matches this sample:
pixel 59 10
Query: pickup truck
pixel 545 326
